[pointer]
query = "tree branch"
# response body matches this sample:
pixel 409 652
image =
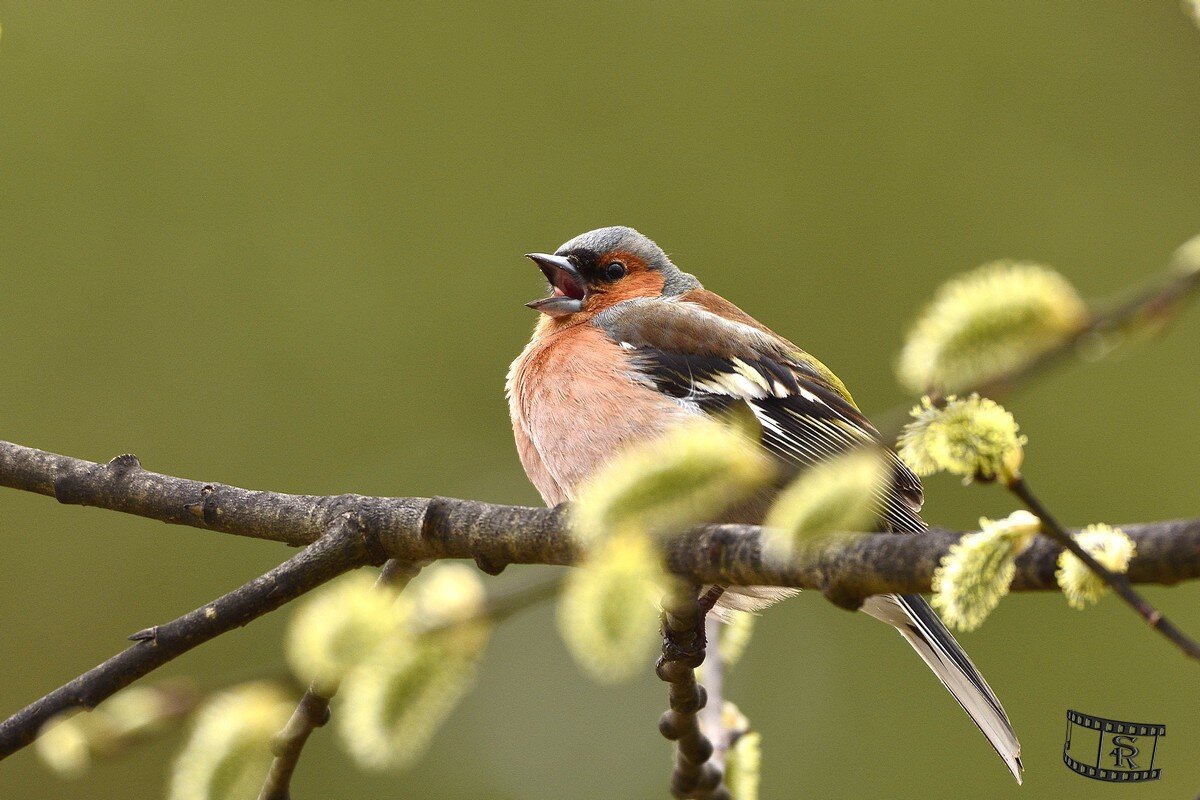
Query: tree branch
pixel 1118 582
pixel 312 711
pixel 1150 309
pixel 851 567
pixel 695 774
pixel 418 528
pixel 343 549
pixel 369 530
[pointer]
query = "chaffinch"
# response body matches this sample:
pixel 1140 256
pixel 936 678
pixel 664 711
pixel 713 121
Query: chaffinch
pixel 628 345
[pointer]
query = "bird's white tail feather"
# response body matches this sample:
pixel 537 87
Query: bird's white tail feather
pixel 917 623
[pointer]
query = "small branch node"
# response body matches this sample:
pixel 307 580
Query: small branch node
pixel 842 596
pixel 206 507
pixel 668 726
pixel 124 464
pixel 368 534
pixel 491 566
pixel 145 635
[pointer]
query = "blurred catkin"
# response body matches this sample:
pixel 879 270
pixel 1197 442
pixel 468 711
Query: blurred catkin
pixel 735 635
pixel 229 750
pixel 394 703
pixel 608 613
pixel 841 494
pixel 988 322
pixel 743 760
pixel 396 698
pixel 684 478
pixel 338 626
pixel 69 743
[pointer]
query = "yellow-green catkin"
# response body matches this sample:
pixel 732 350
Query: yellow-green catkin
pixel 841 494
pixel 735 635
pixel 229 750
pixel 743 759
pixel 1193 9
pixel 973 437
pixel 990 321
pixel 978 570
pixel 1187 255
pixel 1110 546
pixel 141 710
pixel 394 703
pixel 684 478
pixel 339 626
pixel 64 745
pixel 395 700
pixel 608 612
pixel 70 742
pixel 447 593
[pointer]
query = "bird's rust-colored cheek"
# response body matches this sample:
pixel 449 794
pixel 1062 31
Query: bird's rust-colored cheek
pixel 643 283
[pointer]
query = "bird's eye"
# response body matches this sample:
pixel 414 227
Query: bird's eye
pixel 614 271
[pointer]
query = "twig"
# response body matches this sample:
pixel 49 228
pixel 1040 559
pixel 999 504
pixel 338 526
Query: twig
pixel 312 711
pixel 343 549
pixel 1157 305
pixel 683 650
pixel 1118 582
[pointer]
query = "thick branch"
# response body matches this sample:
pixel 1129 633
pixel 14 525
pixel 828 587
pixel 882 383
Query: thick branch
pixel 415 529
pixel 857 566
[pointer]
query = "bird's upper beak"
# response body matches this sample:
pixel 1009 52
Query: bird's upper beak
pixel 567 286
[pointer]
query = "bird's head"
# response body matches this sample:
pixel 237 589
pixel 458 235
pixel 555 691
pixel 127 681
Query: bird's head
pixel 600 268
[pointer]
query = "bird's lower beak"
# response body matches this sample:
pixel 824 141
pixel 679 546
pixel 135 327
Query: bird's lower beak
pixel 567 287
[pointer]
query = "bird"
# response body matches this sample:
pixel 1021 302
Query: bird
pixel 628 346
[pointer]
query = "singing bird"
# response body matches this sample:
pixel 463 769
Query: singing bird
pixel 628 346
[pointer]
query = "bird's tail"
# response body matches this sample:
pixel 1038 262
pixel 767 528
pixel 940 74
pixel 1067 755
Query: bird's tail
pixel 917 623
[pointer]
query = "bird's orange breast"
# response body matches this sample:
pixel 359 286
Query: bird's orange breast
pixel 575 403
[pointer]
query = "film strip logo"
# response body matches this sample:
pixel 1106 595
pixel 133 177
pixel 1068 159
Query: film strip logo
pixel 1112 750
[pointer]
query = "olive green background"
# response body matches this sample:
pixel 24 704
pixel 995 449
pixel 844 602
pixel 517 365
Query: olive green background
pixel 279 246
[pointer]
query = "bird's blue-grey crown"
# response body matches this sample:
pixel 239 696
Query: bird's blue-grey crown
pixel 619 237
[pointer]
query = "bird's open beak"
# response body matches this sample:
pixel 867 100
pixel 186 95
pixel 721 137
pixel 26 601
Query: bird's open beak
pixel 567 287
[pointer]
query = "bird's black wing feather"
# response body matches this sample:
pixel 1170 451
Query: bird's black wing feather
pixel 804 421
pixel 711 364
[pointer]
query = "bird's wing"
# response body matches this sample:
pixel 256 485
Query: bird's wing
pixel 710 356
pixel 713 364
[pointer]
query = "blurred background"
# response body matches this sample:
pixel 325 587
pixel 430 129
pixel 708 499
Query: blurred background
pixel 279 246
